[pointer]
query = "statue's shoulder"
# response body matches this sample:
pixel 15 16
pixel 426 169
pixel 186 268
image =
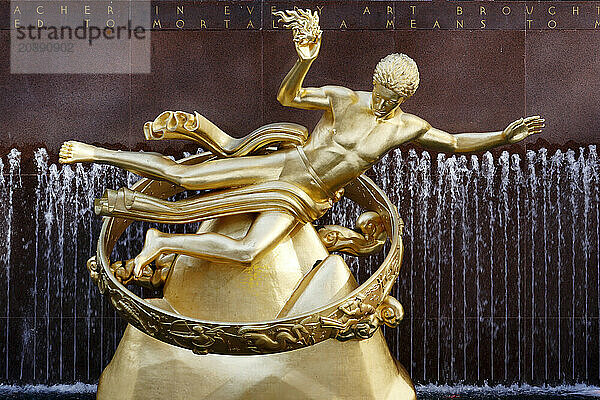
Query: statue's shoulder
pixel 340 98
pixel 341 94
pixel 413 122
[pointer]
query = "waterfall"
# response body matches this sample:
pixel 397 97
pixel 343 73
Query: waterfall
pixel 500 279
pixel 5 242
pixel 8 185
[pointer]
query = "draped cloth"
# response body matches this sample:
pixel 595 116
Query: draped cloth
pixel 267 196
pixel 197 128
pixel 260 197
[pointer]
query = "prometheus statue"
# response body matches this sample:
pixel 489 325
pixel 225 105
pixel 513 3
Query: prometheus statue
pixel 256 259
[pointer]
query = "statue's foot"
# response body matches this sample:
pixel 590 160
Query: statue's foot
pixel 150 251
pixel 73 152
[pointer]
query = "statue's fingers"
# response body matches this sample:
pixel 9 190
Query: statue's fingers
pixel 534 126
pixel 534 122
pixel 532 118
pixel 535 131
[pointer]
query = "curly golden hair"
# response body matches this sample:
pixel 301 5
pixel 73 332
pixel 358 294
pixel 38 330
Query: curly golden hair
pixel 399 73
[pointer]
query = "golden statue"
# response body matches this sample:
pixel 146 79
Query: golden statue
pixel 256 259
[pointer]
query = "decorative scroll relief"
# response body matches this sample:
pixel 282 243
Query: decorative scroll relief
pixel 355 317
pixel 360 320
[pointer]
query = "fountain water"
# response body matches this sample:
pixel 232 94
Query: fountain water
pixel 499 283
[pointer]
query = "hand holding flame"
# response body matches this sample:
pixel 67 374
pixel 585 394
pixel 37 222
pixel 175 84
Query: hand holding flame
pixel 305 27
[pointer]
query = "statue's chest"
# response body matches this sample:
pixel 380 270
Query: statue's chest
pixel 353 127
pixel 368 141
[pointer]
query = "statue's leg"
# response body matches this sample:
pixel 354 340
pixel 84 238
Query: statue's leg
pixel 266 231
pixel 215 174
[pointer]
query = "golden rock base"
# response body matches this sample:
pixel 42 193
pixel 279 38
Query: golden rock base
pixel 282 282
pixel 144 368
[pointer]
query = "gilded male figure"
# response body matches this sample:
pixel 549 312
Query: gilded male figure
pixel 356 130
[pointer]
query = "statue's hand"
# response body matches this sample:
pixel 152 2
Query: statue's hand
pixel 305 27
pixel 308 50
pixel 523 127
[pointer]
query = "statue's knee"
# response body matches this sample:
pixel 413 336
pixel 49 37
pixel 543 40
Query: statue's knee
pixel 183 181
pixel 248 252
pixel 191 180
pixel 175 174
pixel 180 181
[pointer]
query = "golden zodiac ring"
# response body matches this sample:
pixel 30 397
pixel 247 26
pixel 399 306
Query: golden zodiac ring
pixel 371 302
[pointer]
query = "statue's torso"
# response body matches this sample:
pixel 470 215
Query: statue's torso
pixel 349 139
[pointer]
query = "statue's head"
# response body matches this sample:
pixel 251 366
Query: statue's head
pixel 395 79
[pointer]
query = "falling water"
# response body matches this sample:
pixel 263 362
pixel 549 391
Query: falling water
pixel 478 267
pixel 7 189
pixel 489 173
pixel 587 182
pixel 412 189
pixel 556 170
pixel 451 183
pixel 507 218
pixel 504 221
pixel 572 172
pixel 423 212
pixel 488 242
pixel 546 190
pixel 464 229
pixel 5 227
pixel 438 225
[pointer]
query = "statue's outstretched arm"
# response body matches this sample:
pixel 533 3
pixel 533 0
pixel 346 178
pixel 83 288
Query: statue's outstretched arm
pixel 307 39
pixel 438 140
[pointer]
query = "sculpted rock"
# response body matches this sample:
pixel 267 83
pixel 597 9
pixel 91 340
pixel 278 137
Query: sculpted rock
pixel 280 283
